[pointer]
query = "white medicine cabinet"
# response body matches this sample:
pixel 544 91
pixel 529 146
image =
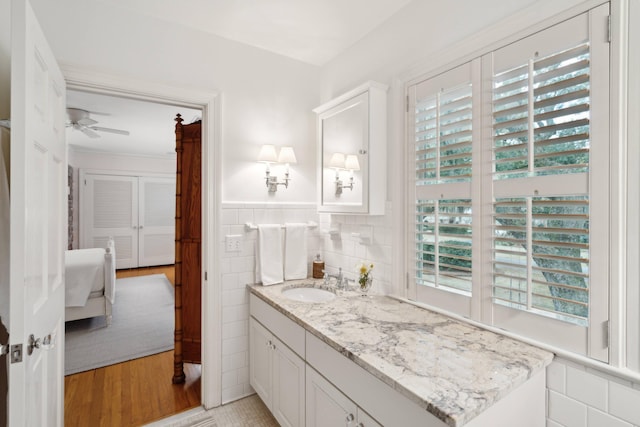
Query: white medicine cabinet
pixel 352 151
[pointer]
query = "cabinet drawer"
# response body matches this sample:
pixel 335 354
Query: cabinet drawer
pixel 378 399
pixel 281 326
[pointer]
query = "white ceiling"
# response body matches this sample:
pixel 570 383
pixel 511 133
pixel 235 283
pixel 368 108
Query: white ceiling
pixel 151 126
pixel 312 31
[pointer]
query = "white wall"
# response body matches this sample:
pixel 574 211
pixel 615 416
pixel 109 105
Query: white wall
pixel 266 98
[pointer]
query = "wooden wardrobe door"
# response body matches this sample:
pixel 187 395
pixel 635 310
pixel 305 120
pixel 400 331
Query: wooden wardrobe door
pixel 188 247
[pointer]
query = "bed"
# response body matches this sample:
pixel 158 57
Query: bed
pixel 90 278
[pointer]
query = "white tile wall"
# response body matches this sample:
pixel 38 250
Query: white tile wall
pixel 583 397
pixel 238 269
pixel 347 250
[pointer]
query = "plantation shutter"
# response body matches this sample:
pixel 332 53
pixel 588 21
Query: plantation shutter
pixel 508 219
pixel 442 125
pixel 547 132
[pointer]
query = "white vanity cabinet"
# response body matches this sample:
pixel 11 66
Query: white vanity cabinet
pixel 328 406
pixel 276 372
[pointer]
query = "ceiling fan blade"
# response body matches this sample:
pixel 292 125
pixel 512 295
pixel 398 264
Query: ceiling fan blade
pixel 89 132
pixel 86 121
pixel 110 130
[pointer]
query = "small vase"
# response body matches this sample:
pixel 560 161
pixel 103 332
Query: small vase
pixel 364 284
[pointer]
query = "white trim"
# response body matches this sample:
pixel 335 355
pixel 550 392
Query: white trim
pixel 363 88
pixel 629 104
pixel 82 172
pixel 94 81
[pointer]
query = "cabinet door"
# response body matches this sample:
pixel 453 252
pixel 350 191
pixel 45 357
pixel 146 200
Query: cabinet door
pixel 110 209
pixel 157 221
pixel 260 361
pixel 288 386
pixel 326 405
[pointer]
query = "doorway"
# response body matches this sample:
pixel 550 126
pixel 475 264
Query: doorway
pixel 208 102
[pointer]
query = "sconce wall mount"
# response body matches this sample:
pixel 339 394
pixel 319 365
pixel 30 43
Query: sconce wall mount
pixel 268 155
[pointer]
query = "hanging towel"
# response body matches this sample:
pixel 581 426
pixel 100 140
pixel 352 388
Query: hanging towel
pixel 295 251
pixel 270 254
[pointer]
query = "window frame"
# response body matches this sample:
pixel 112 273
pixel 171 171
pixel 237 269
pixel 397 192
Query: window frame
pixel 480 307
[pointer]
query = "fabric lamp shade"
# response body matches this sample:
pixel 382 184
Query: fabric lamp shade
pixel 268 154
pixel 337 161
pixel 351 163
pixel 287 155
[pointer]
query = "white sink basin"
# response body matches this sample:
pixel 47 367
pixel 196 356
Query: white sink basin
pixel 308 294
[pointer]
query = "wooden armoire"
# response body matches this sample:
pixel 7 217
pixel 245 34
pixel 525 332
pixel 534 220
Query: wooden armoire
pixel 188 271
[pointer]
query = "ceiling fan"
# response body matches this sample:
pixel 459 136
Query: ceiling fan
pixel 79 119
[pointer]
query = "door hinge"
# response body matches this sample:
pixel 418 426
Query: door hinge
pixel 606 339
pixel 609 29
pixel 407 280
pixel 407 103
pixel 205 275
pixel 16 353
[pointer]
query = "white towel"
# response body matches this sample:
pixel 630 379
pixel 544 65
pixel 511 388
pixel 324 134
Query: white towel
pixel 270 254
pixel 295 251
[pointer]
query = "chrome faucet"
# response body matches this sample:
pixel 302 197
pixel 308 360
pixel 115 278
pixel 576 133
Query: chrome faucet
pixel 340 280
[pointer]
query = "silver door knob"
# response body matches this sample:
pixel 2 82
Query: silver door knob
pixel 350 418
pixel 44 343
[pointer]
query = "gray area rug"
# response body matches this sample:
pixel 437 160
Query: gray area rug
pixel 143 324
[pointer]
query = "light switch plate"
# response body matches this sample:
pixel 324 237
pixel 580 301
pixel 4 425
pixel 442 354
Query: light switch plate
pixel 233 242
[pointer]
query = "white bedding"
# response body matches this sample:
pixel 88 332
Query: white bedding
pixel 84 275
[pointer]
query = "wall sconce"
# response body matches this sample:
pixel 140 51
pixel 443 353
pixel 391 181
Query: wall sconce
pixel 268 155
pixel 339 162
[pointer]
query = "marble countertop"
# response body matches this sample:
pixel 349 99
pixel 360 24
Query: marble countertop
pixel 452 369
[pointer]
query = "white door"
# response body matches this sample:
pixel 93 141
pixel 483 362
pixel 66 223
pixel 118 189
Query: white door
pixel 288 386
pixel 260 361
pixel 326 405
pixel 157 224
pixel 110 209
pixel 38 224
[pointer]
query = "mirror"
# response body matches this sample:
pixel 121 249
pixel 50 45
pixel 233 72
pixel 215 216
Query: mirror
pixel 348 148
pixel 345 136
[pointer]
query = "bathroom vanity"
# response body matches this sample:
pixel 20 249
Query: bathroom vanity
pixel 376 360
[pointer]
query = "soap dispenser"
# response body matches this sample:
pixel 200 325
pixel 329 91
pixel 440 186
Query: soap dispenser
pixel 318 267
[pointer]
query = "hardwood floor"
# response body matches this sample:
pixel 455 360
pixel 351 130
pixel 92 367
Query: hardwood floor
pixel 131 393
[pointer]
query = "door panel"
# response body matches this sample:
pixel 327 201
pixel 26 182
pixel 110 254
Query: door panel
pixel 38 228
pixel 157 221
pixel 110 209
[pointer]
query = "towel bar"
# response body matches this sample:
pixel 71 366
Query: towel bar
pixel 251 226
